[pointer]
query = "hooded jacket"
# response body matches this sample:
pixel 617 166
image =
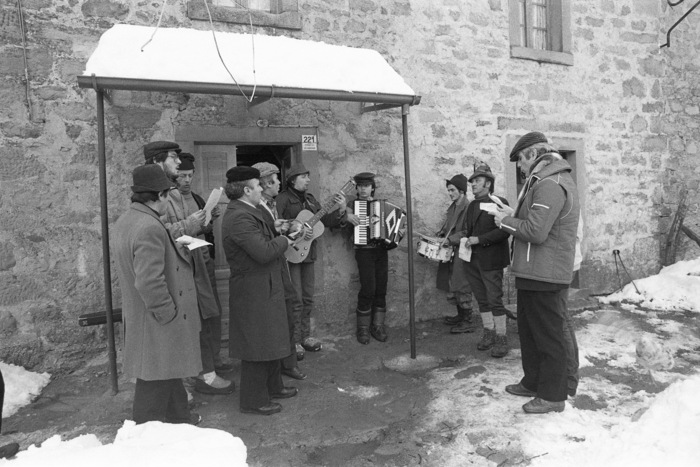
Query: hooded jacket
pixel 545 223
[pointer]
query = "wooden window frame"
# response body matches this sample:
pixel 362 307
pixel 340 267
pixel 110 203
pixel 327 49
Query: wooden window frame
pixel 286 17
pixel 558 37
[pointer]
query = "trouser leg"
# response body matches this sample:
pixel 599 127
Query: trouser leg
pixel 177 410
pixel 365 268
pixel 2 397
pixel 572 360
pixel 215 322
pixel 295 275
pixel 308 281
pixel 381 277
pixel 255 383
pixel 206 347
pixel 544 352
pixel 290 361
pixel 158 400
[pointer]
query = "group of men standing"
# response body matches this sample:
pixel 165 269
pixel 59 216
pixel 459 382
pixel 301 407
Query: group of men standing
pixel 173 317
pixel 544 227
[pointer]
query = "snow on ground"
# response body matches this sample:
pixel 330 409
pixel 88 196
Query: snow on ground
pixel 676 287
pixel 21 387
pixel 153 444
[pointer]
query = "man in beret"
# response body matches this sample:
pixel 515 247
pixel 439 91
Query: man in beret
pixel 165 154
pixel 258 329
pixel 182 205
pixel 452 276
pixel 373 266
pixel 489 255
pixel 290 203
pixel 159 302
pixel 543 226
pixel 270 184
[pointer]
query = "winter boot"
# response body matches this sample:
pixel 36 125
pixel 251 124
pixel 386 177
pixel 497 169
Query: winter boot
pixel 363 320
pixel 500 346
pixel 487 339
pixel 456 319
pixel 467 324
pixel 378 330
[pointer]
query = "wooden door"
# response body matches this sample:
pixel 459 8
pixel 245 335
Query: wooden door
pixel 212 162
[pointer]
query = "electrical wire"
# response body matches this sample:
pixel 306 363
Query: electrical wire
pixel 20 15
pixel 216 44
pixel 162 10
pixel 616 254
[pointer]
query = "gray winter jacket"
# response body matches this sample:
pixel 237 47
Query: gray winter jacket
pixel 544 225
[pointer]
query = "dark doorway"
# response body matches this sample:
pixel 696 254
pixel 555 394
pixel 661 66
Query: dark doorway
pixel 279 155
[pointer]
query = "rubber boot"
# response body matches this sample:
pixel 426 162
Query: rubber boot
pixel 467 324
pixel 456 319
pixel 378 330
pixel 364 318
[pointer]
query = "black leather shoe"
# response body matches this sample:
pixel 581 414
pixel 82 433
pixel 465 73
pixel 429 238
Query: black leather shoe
pixel 9 450
pixel 520 390
pixel 204 388
pixel 294 373
pixel 273 407
pixel 285 393
pixel 452 320
pixel 224 368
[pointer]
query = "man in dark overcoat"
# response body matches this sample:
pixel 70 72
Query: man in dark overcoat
pixel 159 302
pixel 259 333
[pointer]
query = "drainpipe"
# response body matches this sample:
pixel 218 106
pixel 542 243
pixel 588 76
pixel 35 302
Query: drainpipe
pixel 409 231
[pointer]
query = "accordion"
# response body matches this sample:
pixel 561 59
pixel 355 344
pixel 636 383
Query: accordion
pixel 380 222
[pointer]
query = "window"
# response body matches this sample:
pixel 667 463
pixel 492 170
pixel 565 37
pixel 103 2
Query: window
pixel 267 13
pixel 540 30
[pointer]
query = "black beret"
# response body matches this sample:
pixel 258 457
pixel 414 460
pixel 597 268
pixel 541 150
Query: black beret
pixel 186 161
pixel 364 178
pixel 157 147
pixel 526 141
pixel 150 178
pixel 241 173
pixel 483 170
pixel 460 181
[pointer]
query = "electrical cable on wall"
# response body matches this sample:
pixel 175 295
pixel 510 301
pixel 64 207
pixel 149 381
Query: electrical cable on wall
pixel 160 17
pixel 20 15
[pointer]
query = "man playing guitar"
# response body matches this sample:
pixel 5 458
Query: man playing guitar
pixel 290 203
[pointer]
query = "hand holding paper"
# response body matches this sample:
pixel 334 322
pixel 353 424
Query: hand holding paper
pixel 191 243
pixel 211 203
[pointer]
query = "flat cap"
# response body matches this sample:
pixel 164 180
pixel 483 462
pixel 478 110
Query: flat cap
pixel 186 161
pixel 154 148
pixel 150 178
pixel 296 169
pixel 241 173
pixel 364 178
pixel 526 141
pixel 266 169
pixel 460 181
pixel 483 170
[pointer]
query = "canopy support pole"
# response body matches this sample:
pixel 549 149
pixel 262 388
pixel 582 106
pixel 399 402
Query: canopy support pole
pixel 409 230
pixel 111 347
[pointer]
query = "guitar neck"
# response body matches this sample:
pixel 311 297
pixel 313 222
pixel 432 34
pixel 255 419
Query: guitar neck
pixel 328 205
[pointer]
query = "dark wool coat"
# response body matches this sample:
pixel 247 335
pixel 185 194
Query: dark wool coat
pixel 175 219
pixel 258 328
pixel 492 252
pixel 452 276
pixel 159 301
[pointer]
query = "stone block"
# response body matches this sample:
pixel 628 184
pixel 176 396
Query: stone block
pixel 105 9
pixel 8 323
pixel 639 38
pixel 638 124
pixel 654 144
pixel 7 256
pixel 16 165
pixel 633 87
pixel 653 107
pixel 594 22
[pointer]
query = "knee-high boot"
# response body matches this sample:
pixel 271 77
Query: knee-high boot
pixel 378 330
pixel 364 318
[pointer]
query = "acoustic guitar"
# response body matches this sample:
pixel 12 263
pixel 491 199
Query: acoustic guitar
pixel 297 252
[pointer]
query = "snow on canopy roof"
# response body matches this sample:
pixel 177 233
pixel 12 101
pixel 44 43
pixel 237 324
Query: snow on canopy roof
pixel 189 55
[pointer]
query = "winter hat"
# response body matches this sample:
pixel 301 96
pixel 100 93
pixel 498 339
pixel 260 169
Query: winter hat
pixel 364 178
pixel 154 148
pixel 266 169
pixel 150 178
pixel 296 169
pixel 483 170
pixel 241 173
pixel 526 141
pixel 186 161
pixel 460 181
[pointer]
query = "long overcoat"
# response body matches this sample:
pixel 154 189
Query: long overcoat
pixel 452 276
pixel 159 302
pixel 258 327
pixel 175 219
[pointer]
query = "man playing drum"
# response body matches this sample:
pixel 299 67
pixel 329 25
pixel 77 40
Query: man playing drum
pixel 452 276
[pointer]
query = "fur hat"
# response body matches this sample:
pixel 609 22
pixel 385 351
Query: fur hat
pixel 150 178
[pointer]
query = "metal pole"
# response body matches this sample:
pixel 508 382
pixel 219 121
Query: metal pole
pixel 409 230
pixel 111 347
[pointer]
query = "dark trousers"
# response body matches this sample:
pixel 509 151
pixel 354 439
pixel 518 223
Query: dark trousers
pixel 303 278
pixel 373 266
pixel 572 361
pixel 291 361
pixel 160 401
pixel 259 380
pixel 487 287
pixel 214 323
pixel 541 332
pixel 206 343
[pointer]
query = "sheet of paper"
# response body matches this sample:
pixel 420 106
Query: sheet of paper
pixel 489 207
pixel 465 251
pixel 192 243
pixel 211 203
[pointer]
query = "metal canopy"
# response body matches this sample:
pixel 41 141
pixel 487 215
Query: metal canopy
pixel 115 64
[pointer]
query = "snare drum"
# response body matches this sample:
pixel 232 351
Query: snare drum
pixel 431 248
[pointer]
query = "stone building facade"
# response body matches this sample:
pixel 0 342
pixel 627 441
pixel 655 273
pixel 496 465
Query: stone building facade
pixel 624 110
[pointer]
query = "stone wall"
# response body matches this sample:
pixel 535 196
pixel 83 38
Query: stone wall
pixel 629 105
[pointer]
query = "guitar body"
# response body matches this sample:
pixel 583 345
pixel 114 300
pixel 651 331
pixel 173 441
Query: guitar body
pixel 300 251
